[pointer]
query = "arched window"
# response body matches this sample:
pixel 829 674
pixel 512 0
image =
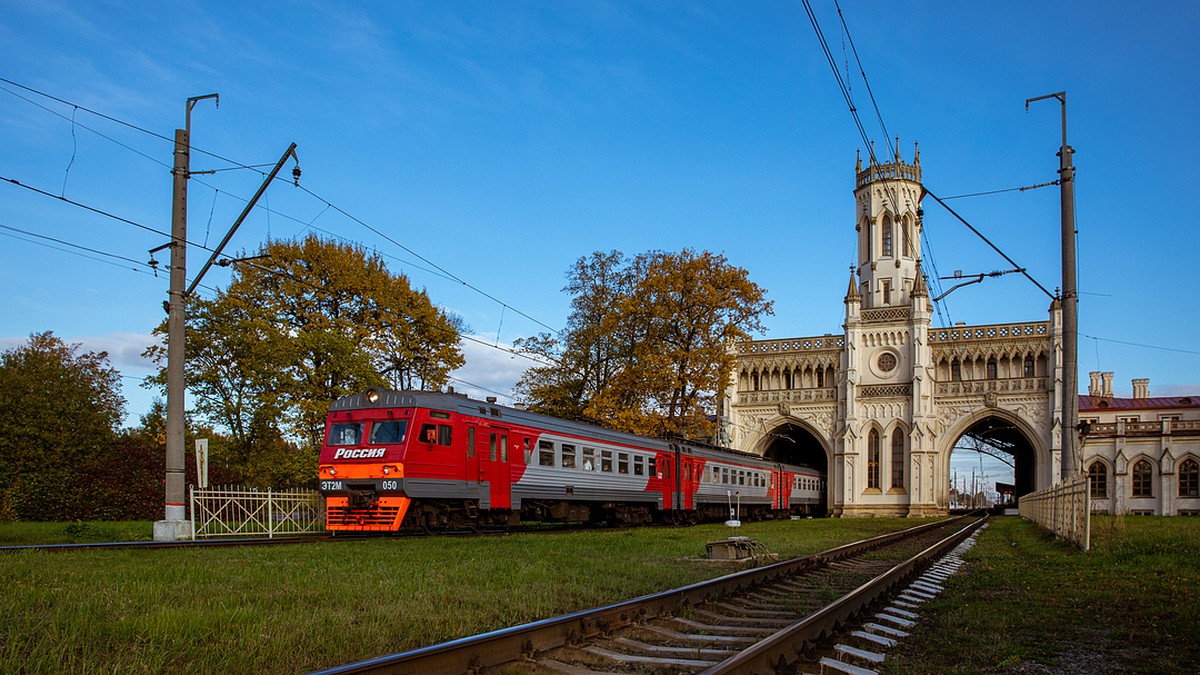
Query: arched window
pixel 897 459
pixel 873 459
pixel 955 371
pixel 1029 368
pixel 1142 475
pixel 1098 480
pixel 754 381
pixel 887 236
pixel 991 368
pixel 820 377
pixel 1189 478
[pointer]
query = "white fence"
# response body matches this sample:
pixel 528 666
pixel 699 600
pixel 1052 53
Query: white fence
pixel 1064 509
pixel 238 512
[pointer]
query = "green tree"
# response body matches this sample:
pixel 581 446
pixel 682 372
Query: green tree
pixel 59 414
pixel 304 324
pixel 647 347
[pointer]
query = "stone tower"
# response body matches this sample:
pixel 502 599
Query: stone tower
pixel 884 446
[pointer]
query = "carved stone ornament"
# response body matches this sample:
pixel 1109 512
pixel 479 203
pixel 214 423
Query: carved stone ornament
pixel 785 408
pixel 991 399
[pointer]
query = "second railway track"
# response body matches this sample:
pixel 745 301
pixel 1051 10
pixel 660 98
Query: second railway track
pixel 762 620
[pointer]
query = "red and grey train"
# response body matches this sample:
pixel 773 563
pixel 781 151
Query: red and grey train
pixel 419 460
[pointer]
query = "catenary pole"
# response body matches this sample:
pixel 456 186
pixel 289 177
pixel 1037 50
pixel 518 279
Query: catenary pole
pixel 175 524
pixel 1070 299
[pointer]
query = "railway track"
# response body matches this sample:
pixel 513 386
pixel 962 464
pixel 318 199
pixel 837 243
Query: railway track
pixel 772 619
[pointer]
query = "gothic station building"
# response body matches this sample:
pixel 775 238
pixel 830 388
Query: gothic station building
pixel 881 406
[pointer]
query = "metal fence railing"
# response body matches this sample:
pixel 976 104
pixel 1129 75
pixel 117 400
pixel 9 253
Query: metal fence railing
pixel 1064 509
pixel 239 512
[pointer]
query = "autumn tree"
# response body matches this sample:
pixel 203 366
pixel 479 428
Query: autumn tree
pixel 301 325
pixel 59 414
pixel 646 348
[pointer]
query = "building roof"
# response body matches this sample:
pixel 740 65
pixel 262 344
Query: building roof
pixel 1095 403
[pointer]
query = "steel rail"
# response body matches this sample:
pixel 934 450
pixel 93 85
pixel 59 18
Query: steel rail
pixel 207 543
pixel 506 645
pixel 775 653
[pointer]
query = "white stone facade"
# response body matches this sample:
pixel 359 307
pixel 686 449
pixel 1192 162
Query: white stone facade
pixel 1141 454
pixel 880 405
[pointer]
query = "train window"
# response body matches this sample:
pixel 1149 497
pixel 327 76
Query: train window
pixel 639 465
pixel 345 433
pixel 606 460
pixel 528 452
pixel 444 434
pixel 653 466
pixel 715 475
pixel 470 441
pixel 492 447
pixel 623 462
pixel 589 459
pixel 741 478
pixel 429 433
pixel 545 453
pixel 568 456
pixel 503 448
pixel 390 431
pixel 724 475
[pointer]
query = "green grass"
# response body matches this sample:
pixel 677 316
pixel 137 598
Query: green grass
pixel 38 534
pixel 1028 603
pixel 306 606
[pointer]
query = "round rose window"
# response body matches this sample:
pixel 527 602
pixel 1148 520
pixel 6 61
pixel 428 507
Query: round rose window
pixel 887 362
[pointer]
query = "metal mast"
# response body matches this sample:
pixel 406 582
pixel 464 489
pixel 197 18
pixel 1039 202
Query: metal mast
pixel 1070 299
pixel 175 524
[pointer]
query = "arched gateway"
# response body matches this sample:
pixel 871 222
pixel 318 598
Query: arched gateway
pixel 881 406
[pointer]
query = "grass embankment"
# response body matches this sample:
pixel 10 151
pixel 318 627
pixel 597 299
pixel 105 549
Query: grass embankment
pixel 41 534
pixel 1028 603
pixel 308 606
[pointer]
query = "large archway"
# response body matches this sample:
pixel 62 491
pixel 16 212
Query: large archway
pixel 993 461
pixel 794 444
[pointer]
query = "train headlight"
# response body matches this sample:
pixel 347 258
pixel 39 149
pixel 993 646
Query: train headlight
pixel 332 471
pixel 372 395
pixel 387 470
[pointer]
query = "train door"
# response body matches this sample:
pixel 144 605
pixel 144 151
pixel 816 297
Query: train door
pixel 493 467
pixel 474 470
pixel 687 481
pixel 663 479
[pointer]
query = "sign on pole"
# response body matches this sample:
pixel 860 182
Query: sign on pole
pixel 202 462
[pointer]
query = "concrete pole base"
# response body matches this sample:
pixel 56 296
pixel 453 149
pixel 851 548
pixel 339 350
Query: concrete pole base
pixel 172 530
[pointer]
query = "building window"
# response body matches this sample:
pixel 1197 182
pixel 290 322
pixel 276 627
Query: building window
pixel 887 237
pixel 1029 368
pixel 1142 475
pixel 991 368
pixel 1189 478
pixel 887 292
pixel 820 377
pixel 873 460
pixel 955 371
pixel 897 459
pixel 1098 480
pixel 886 362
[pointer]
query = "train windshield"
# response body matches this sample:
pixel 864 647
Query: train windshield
pixel 389 431
pixel 346 433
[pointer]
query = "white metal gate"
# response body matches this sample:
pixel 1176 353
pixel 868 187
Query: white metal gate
pixel 240 512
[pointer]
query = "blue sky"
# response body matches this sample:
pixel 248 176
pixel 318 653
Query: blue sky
pixel 503 140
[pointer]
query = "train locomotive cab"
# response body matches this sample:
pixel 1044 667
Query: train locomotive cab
pixel 361 472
